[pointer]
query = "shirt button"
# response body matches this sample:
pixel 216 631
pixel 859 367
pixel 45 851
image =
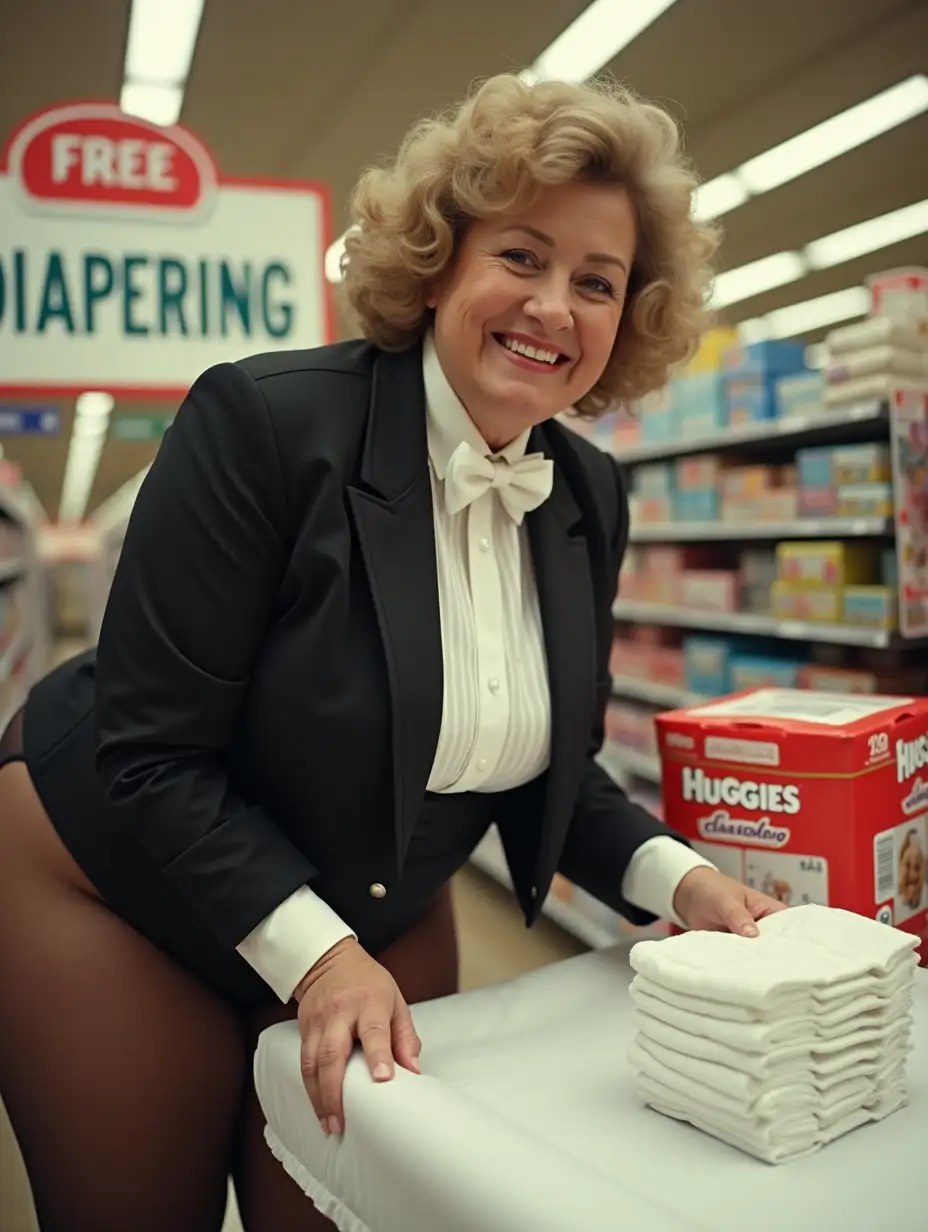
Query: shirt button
pixel 378 890
pixel 493 684
pixel 481 763
pixel 484 545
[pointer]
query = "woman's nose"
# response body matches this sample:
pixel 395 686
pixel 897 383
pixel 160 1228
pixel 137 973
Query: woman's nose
pixel 551 306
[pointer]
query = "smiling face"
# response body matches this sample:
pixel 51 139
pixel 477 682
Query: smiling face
pixel 527 314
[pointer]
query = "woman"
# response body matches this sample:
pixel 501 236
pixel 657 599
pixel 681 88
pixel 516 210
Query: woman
pixel 363 611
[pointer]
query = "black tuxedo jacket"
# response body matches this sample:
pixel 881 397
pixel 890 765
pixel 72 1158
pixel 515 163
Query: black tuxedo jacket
pixel 269 673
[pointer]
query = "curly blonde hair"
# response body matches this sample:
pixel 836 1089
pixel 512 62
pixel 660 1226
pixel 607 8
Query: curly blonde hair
pixel 494 153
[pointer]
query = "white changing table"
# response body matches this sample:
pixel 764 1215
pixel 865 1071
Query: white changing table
pixel 526 1118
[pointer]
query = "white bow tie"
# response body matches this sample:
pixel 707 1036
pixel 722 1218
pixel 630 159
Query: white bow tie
pixel 522 485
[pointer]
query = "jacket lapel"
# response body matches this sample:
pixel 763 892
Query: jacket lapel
pixel 565 594
pixel 392 507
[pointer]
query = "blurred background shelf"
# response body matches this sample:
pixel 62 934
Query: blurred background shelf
pixel 668 695
pixel 800 528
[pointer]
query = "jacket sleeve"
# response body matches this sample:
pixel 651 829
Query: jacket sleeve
pixel 204 554
pixel 607 829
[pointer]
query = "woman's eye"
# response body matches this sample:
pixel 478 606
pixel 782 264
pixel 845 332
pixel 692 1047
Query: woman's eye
pixel 600 285
pixel 519 256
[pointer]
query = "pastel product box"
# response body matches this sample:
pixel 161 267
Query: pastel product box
pixel 878 388
pixel 700 506
pixel 874 331
pixel 778 505
pixel 815 467
pixel 877 360
pixel 901 295
pixel 762 671
pixel 631 726
pixel 703 470
pixel 658 426
pixel 673 560
pixel 828 563
pixel 789 601
pixel 799 393
pixel 865 500
pixel 747 482
pixel 754 600
pixel 749 399
pixel 654 479
pixel 871 607
pixel 817 502
pixel 765 359
pixel 707 662
pixel 709 590
pixel 709 356
pixel 650 509
pixel 867 463
pixel 699 403
pixel 666 666
pixel 809 797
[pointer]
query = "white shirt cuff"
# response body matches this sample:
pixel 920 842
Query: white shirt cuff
pixel 292 939
pixel 655 871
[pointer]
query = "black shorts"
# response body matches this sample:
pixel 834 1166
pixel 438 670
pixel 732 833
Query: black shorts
pixel 54 736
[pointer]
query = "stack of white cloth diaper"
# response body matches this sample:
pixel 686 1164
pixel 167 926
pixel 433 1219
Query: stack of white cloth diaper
pixel 781 1043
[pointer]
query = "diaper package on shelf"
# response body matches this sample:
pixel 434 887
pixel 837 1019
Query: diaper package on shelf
pixel 808 797
pixel 779 1044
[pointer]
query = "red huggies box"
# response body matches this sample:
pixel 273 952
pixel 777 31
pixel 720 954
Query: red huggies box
pixel 809 797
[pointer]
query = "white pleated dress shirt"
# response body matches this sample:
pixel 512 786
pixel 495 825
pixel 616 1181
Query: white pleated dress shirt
pixel 496 714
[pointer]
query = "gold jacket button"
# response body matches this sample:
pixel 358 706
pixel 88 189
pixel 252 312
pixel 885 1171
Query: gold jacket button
pixel 378 890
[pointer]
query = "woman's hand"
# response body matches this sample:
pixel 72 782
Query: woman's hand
pixel 348 996
pixel 707 899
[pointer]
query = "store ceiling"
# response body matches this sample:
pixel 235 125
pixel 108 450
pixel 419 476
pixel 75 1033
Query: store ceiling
pixel 289 88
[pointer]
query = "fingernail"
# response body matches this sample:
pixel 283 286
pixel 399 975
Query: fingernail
pixel 381 1071
pixel 333 1125
pixel 749 930
pixel 324 1124
pixel 415 1065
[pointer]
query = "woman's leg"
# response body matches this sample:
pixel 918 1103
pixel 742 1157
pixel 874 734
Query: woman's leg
pixel 424 963
pixel 121 1074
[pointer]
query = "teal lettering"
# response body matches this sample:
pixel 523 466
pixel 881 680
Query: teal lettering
pixel 131 293
pixel 19 282
pixel 98 285
pixel 235 296
pixel 55 304
pixel 204 299
pixel 171 292
pixel 277 317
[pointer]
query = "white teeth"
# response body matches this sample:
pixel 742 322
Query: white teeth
pixel 523 348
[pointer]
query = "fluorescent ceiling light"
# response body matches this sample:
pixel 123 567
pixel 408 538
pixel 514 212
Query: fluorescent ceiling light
pixel 808 315
pixel 157 104
pixel 867 237
pixel 91 421
pixel 597 36
pixel 161 42
pixel 756 277
pixel 719 196
pixel 836 136
pixel 813 148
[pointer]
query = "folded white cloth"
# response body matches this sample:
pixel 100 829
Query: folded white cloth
pixel 821 1056
pixel 784 1140
pixel 818 949
pixel 719 1085
pixel 802 1026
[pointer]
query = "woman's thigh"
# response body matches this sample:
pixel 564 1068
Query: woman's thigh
pixel 122 1075
pixel 424 963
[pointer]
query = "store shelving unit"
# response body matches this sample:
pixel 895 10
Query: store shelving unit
pixel 667 695
pixel 799 528
pixel 621 762
pixel 819 427
pixel 671 616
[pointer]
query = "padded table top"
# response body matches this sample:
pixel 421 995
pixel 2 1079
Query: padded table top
pixel 526 1117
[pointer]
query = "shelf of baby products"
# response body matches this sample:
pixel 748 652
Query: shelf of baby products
pixel 567 905
pixel 670 696
pixel 21 641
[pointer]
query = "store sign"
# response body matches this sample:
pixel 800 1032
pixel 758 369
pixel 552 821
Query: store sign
pixel 139 427
pixel 29 421
pixel 128 264
pixel 909 439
